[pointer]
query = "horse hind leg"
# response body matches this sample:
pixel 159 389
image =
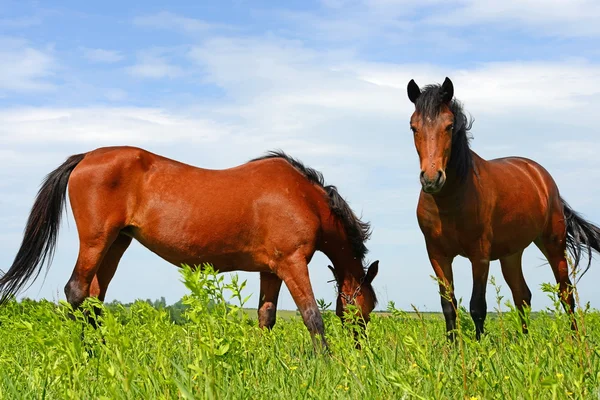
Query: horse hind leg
pixel 553 246
pixel 513 275
pixel 270 285
pixel 91 255
pixel 108 266
pixel 106 271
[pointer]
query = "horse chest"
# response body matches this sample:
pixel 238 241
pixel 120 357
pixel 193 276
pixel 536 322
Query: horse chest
pixel 445 234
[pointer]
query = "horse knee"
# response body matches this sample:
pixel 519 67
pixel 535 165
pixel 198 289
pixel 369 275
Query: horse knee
pixel 267 316
pixel 478 315
pixel 527 297
pixel 449 309
pixel 313 321
pixel 478 310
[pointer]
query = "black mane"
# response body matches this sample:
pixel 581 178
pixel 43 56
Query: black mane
pixel 429 105
pixel 358 232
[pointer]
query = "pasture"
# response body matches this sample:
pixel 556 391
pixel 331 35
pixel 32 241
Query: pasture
pixel 219 352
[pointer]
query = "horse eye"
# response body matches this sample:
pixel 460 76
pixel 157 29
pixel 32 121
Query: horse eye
pixel 413 129
pixel 450 127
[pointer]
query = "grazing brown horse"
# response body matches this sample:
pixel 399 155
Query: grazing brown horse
pixel 487 210
pixel 269 215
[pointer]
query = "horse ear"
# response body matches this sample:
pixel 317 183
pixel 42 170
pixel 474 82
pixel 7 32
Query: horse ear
pixel 372 271
pixel 447 90
pixel 332 271
pixel 413 91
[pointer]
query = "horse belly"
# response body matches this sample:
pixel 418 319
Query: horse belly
pixel 220 255
pixel 521 205
pixel 513 236
pixel 196 241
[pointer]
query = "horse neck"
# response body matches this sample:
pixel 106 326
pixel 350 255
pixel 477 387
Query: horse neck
pixel 335 245
pixel 456 187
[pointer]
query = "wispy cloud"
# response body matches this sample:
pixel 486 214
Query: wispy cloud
pixel 501 87
pixel 170 21
pixel 282 74
pixel 20 22
pixel 288 73
pixel 154 69
pixel 24 68
pixel 154 64
pixel 102 55
pixel 576 150
pixel 453 26
pixel 115 94
pixel 97 126
pixel 571 18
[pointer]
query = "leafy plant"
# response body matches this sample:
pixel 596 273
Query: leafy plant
pixel 217 350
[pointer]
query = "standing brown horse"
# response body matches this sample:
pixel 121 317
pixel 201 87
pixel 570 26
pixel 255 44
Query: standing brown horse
pixel 269 215
pixel 487 210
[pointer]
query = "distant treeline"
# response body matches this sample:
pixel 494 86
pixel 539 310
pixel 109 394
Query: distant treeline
pixel 176 310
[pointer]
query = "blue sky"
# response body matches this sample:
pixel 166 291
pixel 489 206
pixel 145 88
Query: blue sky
pixel 214 84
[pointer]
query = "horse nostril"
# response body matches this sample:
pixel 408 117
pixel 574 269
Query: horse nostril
pixel 422 177
pixel 440 175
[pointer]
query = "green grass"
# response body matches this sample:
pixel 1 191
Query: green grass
pixel 281 314
pixel 139 353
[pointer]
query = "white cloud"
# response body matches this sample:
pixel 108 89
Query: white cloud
pixel 24 68
pixel 571 18
pixel 167 20
pixel 115 94
pixel 155 69
pixel 285 73
pixel 384 236
pixel 19 158
pixel 280 75
pixel 284 89
pixel 368 23
pixel 103 126
pixel 561 17
pixel 153 64
pixel 576 150
pixel 102 55
pixel 503 87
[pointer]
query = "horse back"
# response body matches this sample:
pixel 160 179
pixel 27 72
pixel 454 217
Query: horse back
pixel 184 213
pixel 522 185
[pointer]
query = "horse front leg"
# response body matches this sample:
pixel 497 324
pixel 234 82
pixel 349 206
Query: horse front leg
pixel 442 267
pixel 294 272
pixel 270 285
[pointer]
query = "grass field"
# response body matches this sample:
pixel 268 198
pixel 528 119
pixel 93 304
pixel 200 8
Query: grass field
pixel 219 352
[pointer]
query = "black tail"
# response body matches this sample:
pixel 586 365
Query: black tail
pixel 581 236
pixel 41 231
